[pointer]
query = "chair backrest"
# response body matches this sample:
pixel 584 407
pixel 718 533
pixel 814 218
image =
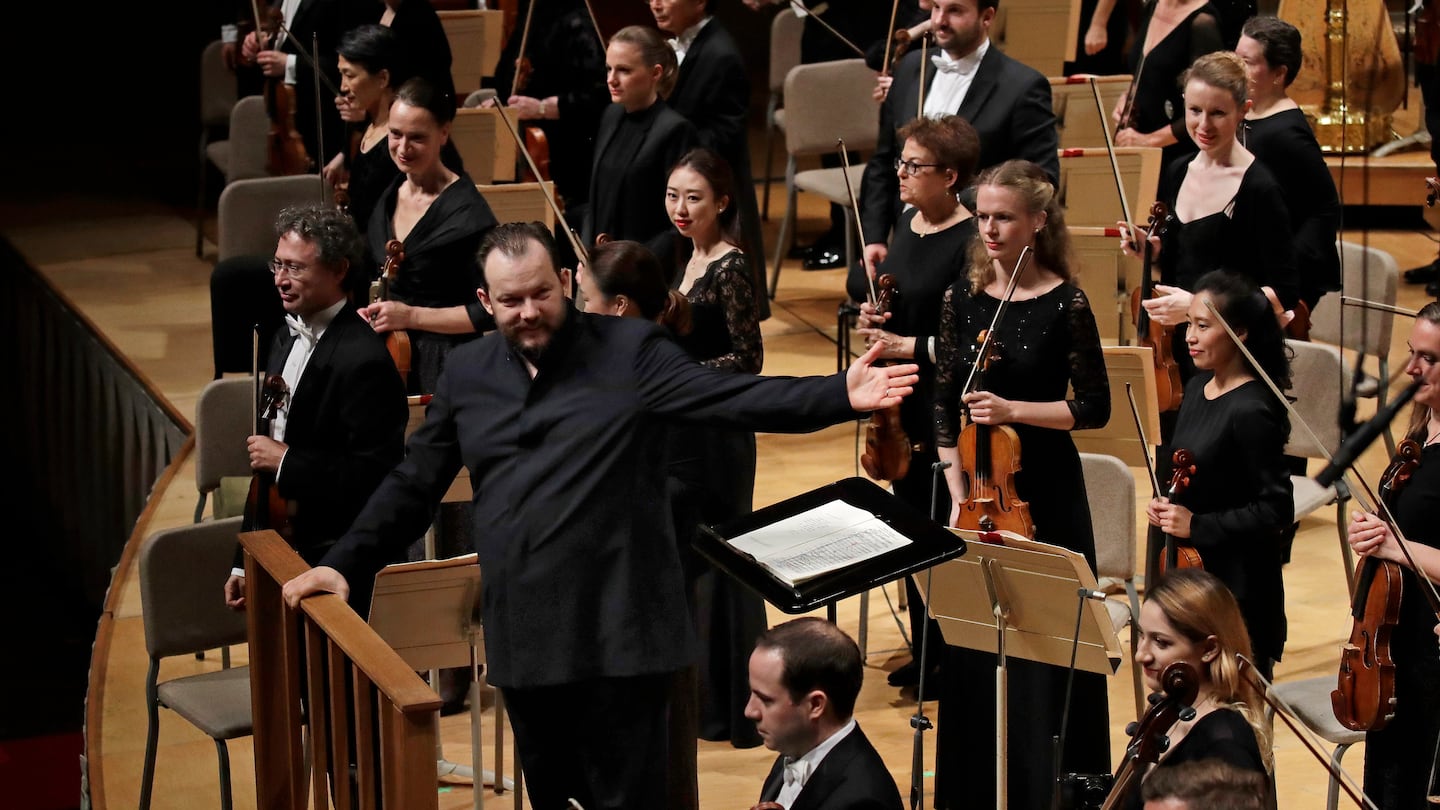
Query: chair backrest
pixel 785 31
pixel 217 86
pixel 1371 274
pixel 829 100
pixel 245 221
pixel 1317 374
pixel 249 134
pixel 1076 119
pixel 181 574
pixel 223 419
pixel 1110 488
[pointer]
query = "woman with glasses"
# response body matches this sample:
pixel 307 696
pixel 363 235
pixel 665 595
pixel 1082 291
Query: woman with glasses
pixel 929 252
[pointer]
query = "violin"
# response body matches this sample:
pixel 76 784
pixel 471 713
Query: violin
pixel 396 340
pixel 285 149
pixel 887 448
pixel 536 168
pixel 1364 697
pixel 991 454
pixel 1149 739
pixel 264 507
pixel 1177 554
pixel 1160 339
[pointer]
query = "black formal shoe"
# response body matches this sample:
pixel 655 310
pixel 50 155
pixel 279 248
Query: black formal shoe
pixel 799 251
pixel 824 259
pixel 908 675
pixel 1424 274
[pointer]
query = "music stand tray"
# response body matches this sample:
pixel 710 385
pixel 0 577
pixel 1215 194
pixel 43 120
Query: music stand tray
pixel 930 544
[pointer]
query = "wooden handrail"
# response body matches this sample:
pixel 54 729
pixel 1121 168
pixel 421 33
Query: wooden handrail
pixel 324 663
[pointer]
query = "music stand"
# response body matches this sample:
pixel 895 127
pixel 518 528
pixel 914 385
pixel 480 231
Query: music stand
pixel 930 543
pixel 429 612
pixel 1019 599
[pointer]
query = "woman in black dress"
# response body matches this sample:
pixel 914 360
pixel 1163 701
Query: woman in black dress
pixel 1276 132
pixel 719 284
pixel 1048 343
pixel 1172 34
pixel 1238 503
pixel 929 252
pixel 1398 757
pixel 1190 616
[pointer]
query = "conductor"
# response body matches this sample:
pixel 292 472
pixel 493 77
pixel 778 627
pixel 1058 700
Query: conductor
pixel 560 418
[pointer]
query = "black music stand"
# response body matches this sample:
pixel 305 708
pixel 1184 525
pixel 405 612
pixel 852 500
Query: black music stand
pixel 1019 599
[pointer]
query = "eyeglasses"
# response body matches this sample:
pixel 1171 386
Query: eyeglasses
pixel 912 168
pixel 288 268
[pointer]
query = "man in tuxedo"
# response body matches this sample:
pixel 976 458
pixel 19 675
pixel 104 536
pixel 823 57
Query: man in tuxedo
pixel 713 92
pixel 340 425
pixel 559 416
pixel 1006 101
pixel 804 677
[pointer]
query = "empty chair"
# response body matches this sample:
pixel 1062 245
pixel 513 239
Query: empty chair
pixel 1316 374
pixel 825 102
pixel 224 418
pixel 1110 488
pixel 785 31
pixel 217 99
pixel 1370 275
pixel 180 573
pixel 1309 699
pixel 248 207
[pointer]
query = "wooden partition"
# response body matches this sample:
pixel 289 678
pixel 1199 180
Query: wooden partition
pixel 301 664
pixel 1134 365
pixel 484 144
pixel 1040 33
pixel 1087 184
pixel 476 39
pixel 1107 276
pixel 1076 117
pixel 519 202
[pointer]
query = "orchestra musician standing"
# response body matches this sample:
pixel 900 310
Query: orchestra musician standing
pixel 930 252
pixel 1239 501
pixel 1048 342
pixel 342 426
pixel 1171 35
pixel 1007 102
pixel 556 416
pixel 1399 757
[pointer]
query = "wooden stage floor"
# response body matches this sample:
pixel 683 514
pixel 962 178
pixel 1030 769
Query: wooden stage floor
pixel 90 249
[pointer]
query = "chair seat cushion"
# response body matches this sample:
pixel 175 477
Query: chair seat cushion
pixel 1119 613
pixel 1310 496
pixel 217 703
pixel 830 183
pixel 1310 700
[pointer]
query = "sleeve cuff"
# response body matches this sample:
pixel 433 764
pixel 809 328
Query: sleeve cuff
pixel 229 34
pixel 237 572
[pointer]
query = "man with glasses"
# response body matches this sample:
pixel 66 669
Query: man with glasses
pixel 340 427
pixel 964 74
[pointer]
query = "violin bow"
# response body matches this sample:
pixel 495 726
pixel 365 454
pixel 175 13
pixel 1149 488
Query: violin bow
pixel 1287 714
pixel 1378 505
pixel 520 55
pixel 1362 303
pixel 1125 209
pixel 579 248
pixel 595 21
pixel 924 61
pixel 1144 443
pixel 855 209
pixel 1020 265
pixel 889 38
pixel 828 27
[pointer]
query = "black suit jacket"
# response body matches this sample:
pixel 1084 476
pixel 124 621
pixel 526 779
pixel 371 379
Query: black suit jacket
pixel 851 777
pixel 571 519
pixel 1008 104
pixel 345 430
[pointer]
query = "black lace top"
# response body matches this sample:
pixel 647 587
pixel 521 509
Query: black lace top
pixel 1047 344
pixel 726 331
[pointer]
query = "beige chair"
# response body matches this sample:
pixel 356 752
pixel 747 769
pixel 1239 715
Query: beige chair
pixel 1317 373
pixel 248 207
pixel 181 571
pixel 243 153
pixel 785 31
pixel 825 102
pixel 217 99
pixel 1077 120
pixel 224 418
pixel 1110 488
pixel 1372 275
pixel 1309 699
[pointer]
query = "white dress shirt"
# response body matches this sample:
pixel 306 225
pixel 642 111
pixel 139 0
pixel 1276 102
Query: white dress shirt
pixel 798 772
pixel 682 43
pixel 952 81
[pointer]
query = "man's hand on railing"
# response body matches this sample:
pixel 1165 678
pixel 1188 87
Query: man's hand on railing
pixel 317 580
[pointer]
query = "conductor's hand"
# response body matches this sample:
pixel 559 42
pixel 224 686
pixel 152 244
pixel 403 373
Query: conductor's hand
pixel 1172 519
pixel 874 388
pixel 235 592
pixel 265 453
pixel 323 579
pixel 1170 307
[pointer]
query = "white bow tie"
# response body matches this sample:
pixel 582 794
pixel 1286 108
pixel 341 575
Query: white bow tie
pixel 797 772
pixel 300 329
pixel 945 64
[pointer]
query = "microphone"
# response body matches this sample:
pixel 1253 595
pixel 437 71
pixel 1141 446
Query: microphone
pixel 1357 441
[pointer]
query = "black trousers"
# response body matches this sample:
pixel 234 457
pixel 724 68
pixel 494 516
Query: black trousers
pixel 602 742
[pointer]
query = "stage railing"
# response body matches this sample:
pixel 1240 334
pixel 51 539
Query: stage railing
pixel 324 687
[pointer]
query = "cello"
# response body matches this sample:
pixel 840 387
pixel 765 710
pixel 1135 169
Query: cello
pixel 1148 736
pixel 887 448
pixel 397 341
pixel 264 507
pixel 1364 697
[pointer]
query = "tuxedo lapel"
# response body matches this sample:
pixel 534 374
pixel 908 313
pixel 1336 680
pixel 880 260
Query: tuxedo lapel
pixel 830 773
pixel 984 83
pixel 692 58
pixel 774 781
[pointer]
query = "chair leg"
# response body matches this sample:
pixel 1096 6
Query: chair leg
pixel 223 753
pixel 1332 796
pixel 769 153
pixel 200 198
pixel 1347 557
pixel 782 243
pixel 1382 396
pixel 152 734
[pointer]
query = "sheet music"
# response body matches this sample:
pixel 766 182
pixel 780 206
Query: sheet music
pixel 827 538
